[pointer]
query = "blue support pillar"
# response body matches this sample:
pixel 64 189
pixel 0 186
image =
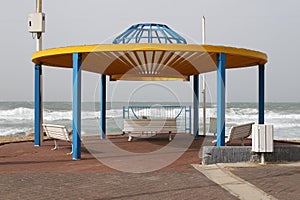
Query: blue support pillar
pixel 196 106
pixel 221 74
pixel 37 105
pixel 76 107
pixel 102 106
pixel 261 94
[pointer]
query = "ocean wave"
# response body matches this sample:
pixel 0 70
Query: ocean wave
pixel 17 114
pixel 113 113
pixel 22 113
pixel 19 117
pixel 67 115
pixel 13 131
pixel 276 115
pixel 241 111
pixel 285 125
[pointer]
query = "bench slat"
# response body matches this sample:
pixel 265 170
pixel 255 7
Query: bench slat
pixel 146 125
pixel 149 127
pixel 240 131
pixel 57 132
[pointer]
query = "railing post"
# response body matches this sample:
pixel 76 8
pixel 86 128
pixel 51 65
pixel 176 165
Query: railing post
pixel 261 94
pixel 76 107
pixel 102 106
pixel 38 114
pixel 190 120
pixel 196 105
pixel 221 74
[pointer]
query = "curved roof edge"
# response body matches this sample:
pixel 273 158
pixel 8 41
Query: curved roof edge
pixel 149 61
pixel 37 56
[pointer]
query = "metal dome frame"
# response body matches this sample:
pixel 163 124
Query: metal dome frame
pixel 149 33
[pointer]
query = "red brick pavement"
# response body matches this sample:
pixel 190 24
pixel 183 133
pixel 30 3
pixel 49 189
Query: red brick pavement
pixel 280 181
pixel 28 172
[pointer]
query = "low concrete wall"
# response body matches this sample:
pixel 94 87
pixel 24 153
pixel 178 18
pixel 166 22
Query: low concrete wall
pixel 233 154
pixel 283 153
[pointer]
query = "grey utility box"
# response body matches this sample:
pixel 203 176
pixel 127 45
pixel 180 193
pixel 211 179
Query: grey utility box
pixel 36 22
pixel 262 138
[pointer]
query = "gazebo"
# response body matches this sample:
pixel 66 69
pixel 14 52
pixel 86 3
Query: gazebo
pixel 146 52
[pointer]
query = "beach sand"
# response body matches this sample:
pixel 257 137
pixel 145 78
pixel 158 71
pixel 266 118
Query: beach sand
pixel 10 139
pixel 16 139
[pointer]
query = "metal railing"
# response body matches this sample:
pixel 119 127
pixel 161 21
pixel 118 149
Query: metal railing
pixel 182 114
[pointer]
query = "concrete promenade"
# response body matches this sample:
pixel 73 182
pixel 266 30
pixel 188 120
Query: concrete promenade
pixel 28 172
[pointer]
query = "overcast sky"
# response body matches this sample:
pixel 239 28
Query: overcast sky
pixel 269 26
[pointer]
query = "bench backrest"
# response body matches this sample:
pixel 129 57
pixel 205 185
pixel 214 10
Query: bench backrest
pixel 240 131
pixel 212 125
pixel 57 132
pixel 150 125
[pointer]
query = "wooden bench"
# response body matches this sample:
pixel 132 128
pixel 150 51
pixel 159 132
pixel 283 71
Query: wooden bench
pixel 239 132
pixel 146 128
pixel 57 132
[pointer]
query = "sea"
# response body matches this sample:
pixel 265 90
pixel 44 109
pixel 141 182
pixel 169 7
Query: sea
pixel 17 118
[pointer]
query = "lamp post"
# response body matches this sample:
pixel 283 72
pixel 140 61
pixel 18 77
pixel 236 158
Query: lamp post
pixel 36 25
pixel 204 81
pixel 39 48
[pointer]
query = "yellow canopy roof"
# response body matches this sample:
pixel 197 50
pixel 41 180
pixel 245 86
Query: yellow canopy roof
pixel 149 61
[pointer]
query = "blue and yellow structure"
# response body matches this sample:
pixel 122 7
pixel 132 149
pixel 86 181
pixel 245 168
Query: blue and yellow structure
pixel 149 52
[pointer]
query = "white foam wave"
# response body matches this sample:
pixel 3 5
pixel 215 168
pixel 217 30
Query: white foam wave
pixel 285 125
pixel 22 113
pixel 17 114
pixel 67 115
pixel 13 131
pixel 282 120
pixel 273 115
pixel 113 113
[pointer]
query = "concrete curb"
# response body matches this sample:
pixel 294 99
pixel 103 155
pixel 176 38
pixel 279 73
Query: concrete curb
pixel 234 154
